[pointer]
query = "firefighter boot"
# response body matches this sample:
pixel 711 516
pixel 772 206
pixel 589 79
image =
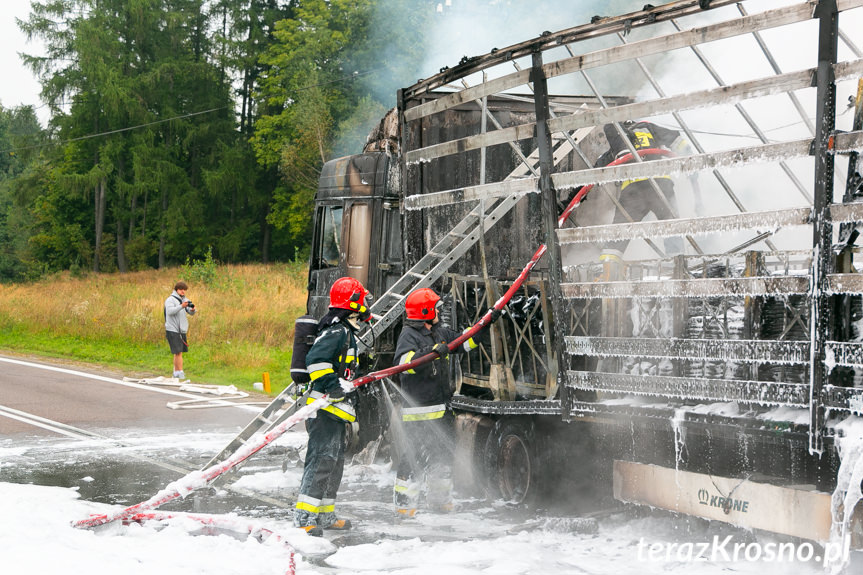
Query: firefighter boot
pixel 405 497
pixel 308 522
pixel 329 520
pixel 440 490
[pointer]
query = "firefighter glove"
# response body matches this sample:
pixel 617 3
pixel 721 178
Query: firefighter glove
pixel 347 386
pixel 336 395
pixel 441 349
pixel 495 314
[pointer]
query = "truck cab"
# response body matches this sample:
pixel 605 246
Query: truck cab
pixel 357 230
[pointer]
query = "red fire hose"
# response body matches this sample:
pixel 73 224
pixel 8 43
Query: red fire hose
pixel 198 479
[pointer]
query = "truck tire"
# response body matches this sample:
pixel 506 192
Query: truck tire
pixel 512 461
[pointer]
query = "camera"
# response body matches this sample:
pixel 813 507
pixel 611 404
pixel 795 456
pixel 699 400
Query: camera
pixel 191 305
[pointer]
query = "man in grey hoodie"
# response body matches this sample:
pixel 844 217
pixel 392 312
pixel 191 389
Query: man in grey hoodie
pixel 177 306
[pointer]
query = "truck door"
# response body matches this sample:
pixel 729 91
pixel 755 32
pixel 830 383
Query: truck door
pixel 324 266
pixel 350 217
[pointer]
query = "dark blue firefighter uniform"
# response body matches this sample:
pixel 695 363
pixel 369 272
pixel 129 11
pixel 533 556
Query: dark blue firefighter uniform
pixel 333 355
pixel 427 420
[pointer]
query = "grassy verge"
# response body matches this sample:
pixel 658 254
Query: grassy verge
pixel 243 328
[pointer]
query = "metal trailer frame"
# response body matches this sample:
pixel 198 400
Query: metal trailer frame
pixel 558 132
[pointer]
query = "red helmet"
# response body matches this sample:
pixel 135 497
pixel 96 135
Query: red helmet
pixel 349 293
pixel 421 304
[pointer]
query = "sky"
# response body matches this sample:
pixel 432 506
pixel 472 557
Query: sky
pixel 19 86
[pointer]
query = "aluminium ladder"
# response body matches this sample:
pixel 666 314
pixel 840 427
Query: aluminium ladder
pixel 388 308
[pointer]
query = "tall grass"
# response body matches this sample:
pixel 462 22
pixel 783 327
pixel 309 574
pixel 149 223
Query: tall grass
pixel 243 325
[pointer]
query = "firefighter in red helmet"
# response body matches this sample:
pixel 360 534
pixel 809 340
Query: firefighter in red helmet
pixel 427 419
pixel 331 363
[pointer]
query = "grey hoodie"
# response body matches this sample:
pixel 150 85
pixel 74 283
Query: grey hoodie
pixel 175 319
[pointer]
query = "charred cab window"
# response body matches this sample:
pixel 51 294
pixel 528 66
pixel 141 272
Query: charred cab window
pixel 330 242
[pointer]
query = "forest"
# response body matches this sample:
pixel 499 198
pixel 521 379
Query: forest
pixel 188 128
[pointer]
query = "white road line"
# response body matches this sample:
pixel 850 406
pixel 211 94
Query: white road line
pixel 251 408
pixel 8 412
pixel 83 434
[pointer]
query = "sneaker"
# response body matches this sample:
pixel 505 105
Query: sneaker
pixel 313 530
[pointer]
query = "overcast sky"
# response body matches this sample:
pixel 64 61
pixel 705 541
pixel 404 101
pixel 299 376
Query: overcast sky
pixel 19 86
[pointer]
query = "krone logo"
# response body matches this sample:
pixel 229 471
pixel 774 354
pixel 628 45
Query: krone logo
pixel 703 496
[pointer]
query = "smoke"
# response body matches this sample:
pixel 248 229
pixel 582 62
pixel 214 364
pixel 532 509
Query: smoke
pixel 474 27
pixel 414 39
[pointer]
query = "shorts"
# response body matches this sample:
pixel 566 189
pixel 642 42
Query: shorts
pixel 177 341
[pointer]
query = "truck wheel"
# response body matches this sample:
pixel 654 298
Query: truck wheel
pixel 512 461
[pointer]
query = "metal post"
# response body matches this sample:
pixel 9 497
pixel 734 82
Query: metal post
pixel 549 216
pixel 411 177
pixel 822 227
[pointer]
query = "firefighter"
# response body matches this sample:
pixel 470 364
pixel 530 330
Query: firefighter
pixel 637 196
pixel 426 417
pixel 331 362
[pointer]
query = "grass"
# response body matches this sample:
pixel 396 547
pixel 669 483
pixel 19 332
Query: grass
pixel 243 326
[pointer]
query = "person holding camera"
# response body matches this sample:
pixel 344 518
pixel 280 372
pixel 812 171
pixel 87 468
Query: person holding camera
pixel 177 307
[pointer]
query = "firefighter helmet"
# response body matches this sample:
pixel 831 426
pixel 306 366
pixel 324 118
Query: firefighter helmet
pixel 349 293
pixel 421 304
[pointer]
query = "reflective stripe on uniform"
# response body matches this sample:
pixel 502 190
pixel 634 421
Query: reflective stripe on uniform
pixel 341 410
pixel 407 487
pixel 317 370
pixel 307 320
pixel 423 413
pixel 328 505
pixel 470 343
pixel 310 504
pixel 406 358
pixel 627 182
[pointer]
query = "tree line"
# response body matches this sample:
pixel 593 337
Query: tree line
pixel 183 126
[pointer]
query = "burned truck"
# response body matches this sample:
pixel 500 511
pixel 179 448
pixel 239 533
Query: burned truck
pixel 719 378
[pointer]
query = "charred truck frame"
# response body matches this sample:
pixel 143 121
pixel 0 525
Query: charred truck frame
pixel 715 382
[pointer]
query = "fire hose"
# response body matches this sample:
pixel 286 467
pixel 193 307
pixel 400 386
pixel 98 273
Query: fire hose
pixel 201 478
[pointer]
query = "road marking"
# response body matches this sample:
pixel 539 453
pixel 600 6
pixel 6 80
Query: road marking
pixel 78 433
pixel 83 434
pixel 251 408
pixel 37 421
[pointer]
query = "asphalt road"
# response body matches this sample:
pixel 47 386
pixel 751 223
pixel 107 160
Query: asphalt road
pixel 94 400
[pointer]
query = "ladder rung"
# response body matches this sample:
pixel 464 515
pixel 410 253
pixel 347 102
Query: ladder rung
pixel 436 255
pixel 416 274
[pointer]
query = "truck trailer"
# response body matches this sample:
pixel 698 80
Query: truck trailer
pixel 715 366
